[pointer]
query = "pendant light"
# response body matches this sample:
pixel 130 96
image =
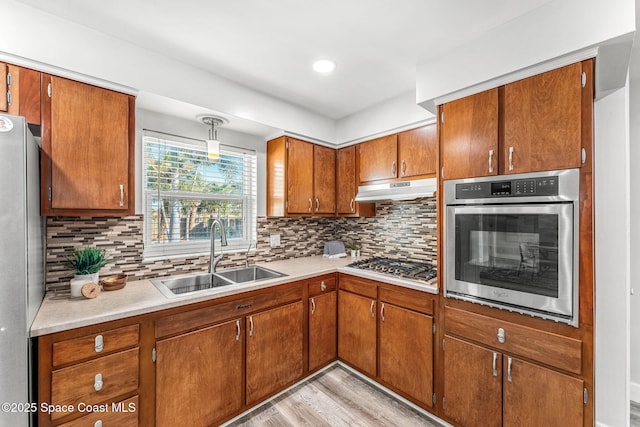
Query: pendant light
pixel 213 144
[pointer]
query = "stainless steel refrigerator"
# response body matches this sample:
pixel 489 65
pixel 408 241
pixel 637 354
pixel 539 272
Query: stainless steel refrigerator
pixel 21 266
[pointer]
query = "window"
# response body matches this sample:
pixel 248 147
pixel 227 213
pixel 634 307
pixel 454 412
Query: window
pixel 184 191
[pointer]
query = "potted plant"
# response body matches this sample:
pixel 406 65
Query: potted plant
pixel 87 262
pixel 354 247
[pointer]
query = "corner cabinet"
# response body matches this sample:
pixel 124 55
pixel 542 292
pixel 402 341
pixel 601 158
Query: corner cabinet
pixel 323 318
pixel 347 185
pixel 534 124
pixel 87 163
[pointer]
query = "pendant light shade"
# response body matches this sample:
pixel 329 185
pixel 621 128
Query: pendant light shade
pixel 213 144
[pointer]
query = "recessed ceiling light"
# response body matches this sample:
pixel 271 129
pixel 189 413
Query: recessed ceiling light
pixel 324 66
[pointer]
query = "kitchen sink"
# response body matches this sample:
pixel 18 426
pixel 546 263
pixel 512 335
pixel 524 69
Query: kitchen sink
pixel 173 286
pixel 249 274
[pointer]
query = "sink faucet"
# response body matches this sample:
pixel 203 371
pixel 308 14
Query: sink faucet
pixel 246 259
pixel 214 260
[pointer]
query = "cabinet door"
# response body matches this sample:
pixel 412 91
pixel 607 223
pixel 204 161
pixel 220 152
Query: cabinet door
pixel 322 330
pixel 357 331
pixel 542 121
pixel 324 180
pixel 299 177
pixel 24 92
pixel 274 350
pixel 199 376
pixel 537 396
pixel 417 151
pixel 469 136
pixel 378 159
pixel 472 384
pixel 4 89
pixel 346 188
pixel 86 148
pixel 405 351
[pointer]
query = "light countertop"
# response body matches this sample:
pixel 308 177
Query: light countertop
pixel 60 312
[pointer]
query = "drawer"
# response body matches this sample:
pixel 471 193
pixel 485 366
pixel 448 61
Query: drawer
pixel 239 307
pixel 545 347
pixel 94 345
pixel 117 414
pixel 79 383
pixel 406 298
pixel 358 285
pixel 322 285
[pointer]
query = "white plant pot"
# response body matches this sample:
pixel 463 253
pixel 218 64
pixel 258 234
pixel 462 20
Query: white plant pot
pixel 79 280
pixel 95 277
pixel 353 253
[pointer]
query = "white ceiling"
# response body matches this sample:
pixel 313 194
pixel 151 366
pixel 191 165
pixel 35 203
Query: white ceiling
pixel 269 45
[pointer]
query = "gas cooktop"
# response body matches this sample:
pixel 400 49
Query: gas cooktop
pixel 400 268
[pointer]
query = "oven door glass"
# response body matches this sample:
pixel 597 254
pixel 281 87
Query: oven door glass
pixel 518 254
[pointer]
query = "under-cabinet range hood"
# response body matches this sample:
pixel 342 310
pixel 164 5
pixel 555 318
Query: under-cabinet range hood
pixel 404 190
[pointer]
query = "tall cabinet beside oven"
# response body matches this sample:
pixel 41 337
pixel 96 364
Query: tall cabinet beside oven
pixel 497 367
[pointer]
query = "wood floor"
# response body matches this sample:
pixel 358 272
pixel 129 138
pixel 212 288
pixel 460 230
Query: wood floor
pixel 635 414
pixel 335 397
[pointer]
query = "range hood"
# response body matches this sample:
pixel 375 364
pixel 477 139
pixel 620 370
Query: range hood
pixel 404 190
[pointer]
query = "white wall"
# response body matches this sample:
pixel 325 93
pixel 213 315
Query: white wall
pixel 634 151
pixel 191 128
pixel 612 241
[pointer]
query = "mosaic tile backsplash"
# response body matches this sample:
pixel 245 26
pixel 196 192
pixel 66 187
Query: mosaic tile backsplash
pixel 399 229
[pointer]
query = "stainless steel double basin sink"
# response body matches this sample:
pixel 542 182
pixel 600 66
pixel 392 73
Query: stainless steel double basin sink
pixel 176 286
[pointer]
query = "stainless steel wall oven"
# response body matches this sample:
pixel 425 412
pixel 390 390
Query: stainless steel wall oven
pixel 511 242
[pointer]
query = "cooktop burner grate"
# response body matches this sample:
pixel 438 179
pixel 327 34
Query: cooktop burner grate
pixel 406 269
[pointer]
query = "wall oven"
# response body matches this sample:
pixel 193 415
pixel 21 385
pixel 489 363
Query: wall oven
pixel 511 242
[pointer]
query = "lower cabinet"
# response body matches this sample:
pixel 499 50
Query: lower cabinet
pixel 357 331
pixel 488 388
pixel 203 368
pixel 322 329
pixel 274 350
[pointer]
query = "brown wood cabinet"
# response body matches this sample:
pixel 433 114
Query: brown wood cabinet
pixel 323 324
pixel 405 351
pixel 203 368
pixel 530 125
pixel 87 163
pixel 274 350
pixel 357 331
pixel 24 89
pixel 347 185
pixel 405 155
pixel 4 88
pixel 301 178
pixel 486 387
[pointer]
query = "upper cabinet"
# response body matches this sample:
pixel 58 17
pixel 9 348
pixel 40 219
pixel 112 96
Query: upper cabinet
pixel 301 178
pixel 347 186
pixel 404 155
pixel 530 125
pixel 87 164
pixel 23 93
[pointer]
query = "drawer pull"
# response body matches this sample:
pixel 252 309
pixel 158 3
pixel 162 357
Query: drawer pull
pixel 509 362
pixel 495 360
pixel 97 385
pixel 323 287
pixel 97 423
pixel 99 343
pixel 501 336
pixel 313 305
pixel 241 306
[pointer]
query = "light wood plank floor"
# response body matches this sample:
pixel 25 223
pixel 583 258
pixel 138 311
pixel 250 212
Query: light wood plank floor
pixel 334 398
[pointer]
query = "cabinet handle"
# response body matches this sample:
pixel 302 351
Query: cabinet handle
pixel 495 362
pixel 97 423
pixel 317 205
pixel 509 361
pixel 490 161
pixel 250 326
pixel 511 150
pixel 404 167
pixel 97 384
pixel 373 303
pixel 121 195
pixel 99 343
pixel 393 168
pixel 351 205
pixel 238 330
pixel 382 312
pixel 310 205
pixel 323 287
pixel 313 306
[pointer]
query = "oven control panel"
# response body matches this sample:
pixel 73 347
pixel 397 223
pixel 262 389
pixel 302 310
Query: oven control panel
pixel 543 186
